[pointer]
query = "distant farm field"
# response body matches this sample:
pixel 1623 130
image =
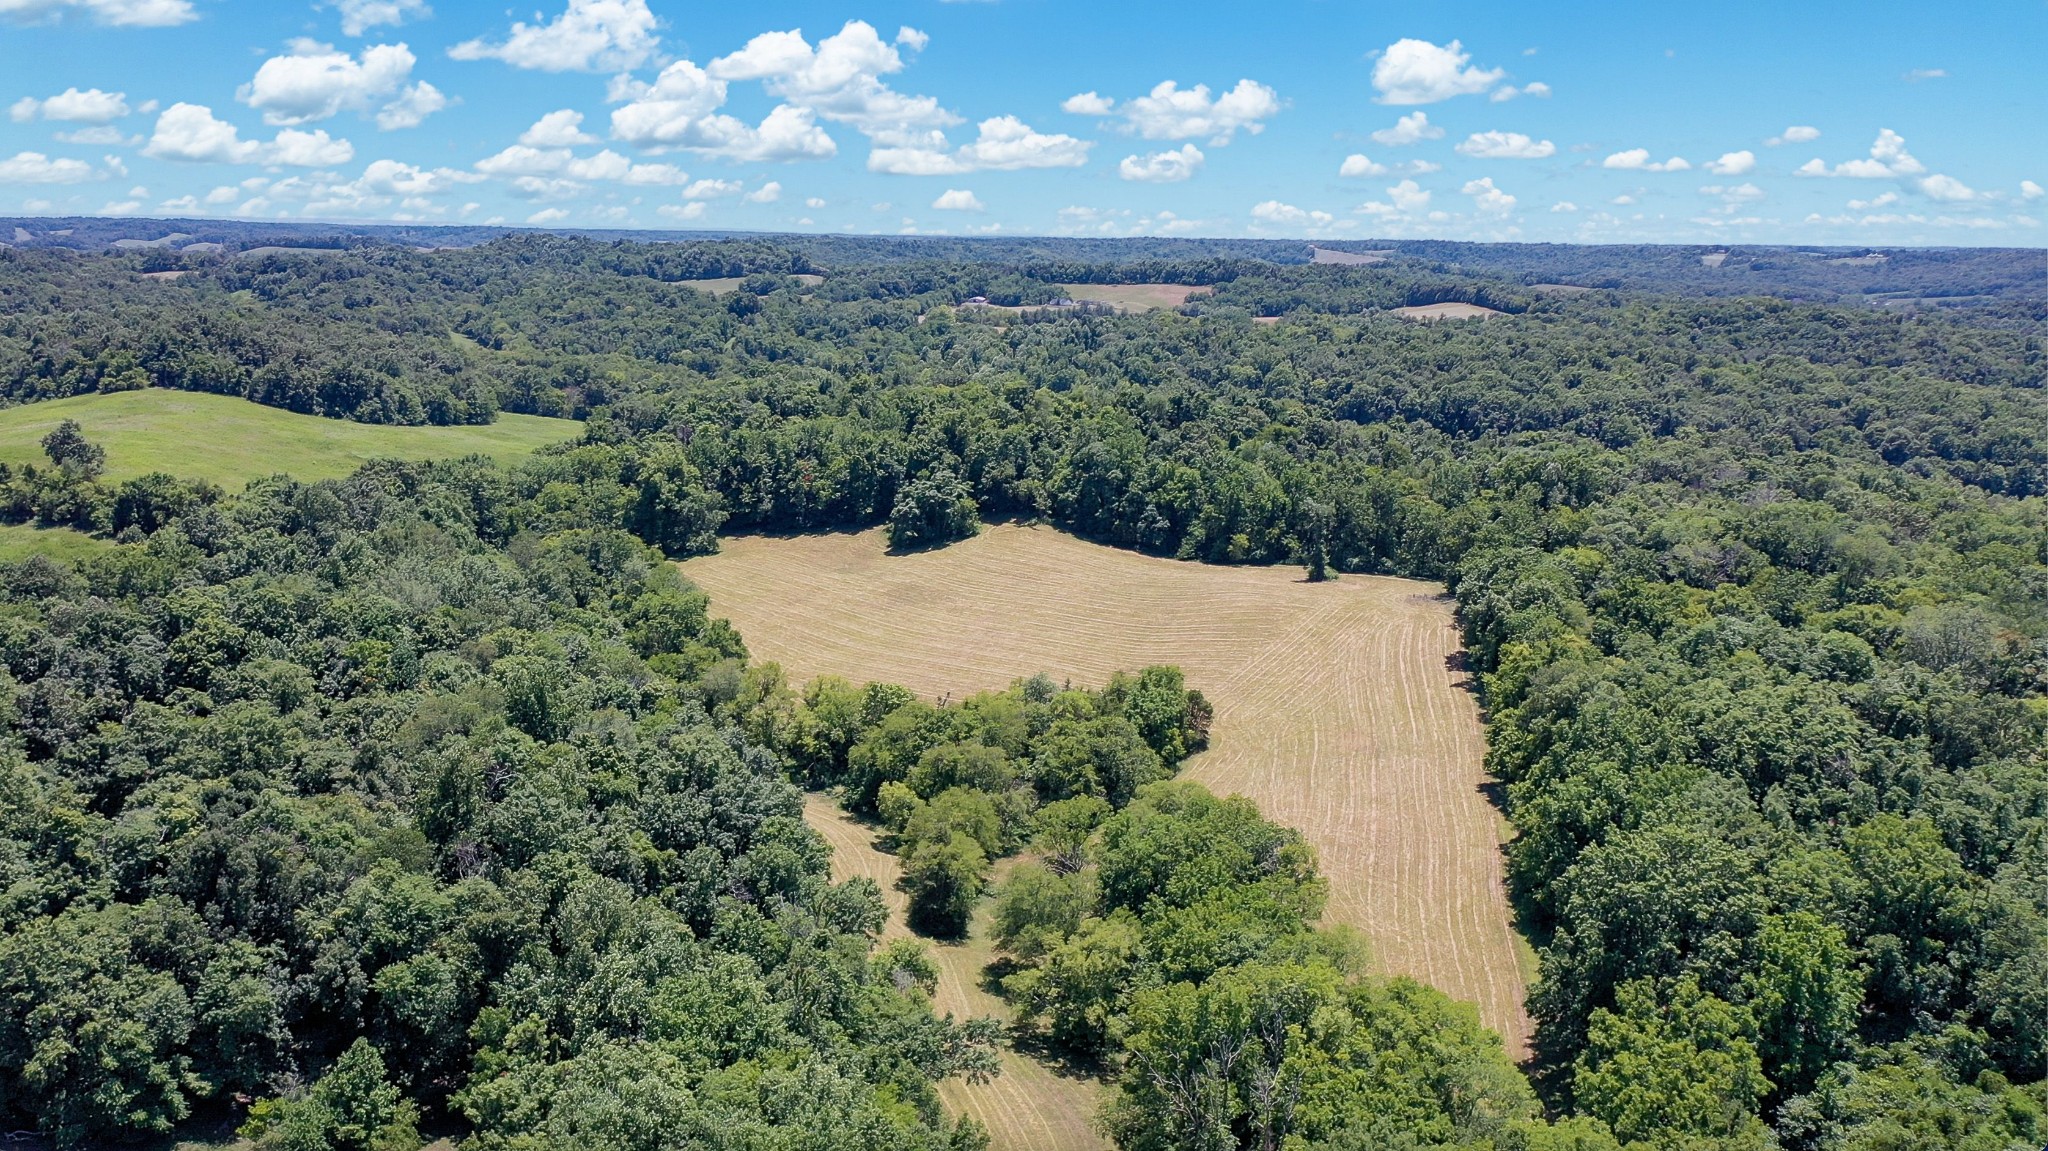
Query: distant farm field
pixel 724 284
pixel 1431 313
pixel 1339 706
pixel 1137 297
pixel 231 441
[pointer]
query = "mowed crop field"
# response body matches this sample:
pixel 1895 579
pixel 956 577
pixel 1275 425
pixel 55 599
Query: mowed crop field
pixel 1339 706
pixel 230 441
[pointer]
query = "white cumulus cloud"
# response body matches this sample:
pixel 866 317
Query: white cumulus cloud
pixel 315 149
pixel 1796 134
pixel 958 200
pixel 1275 212
pixel 839 80
pixel 1506 92
pixel 767 193
pixel 1407 197
pixel 1410 129
pixel 589 36
pixel 392 177
pixel 1171 112
pixel 1170 167
pixel 1088 104
pixel 1005 143
pixel 1487 198
pixel 559 129
pixel 552 172
pixel 1732 163
pixel 1638 160
pixel 316 81
pixel 37 168
pixel 413 105
pixel 668 112
pixel 1888 159
pixel 191 132
pixel 1948 188
pixel 1418 72
pixel 1506 146
pixel 1358 164
pixel 91 106
pixel 2030 190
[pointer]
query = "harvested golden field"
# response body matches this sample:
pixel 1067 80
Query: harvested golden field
pixel 1137 297
pixel 1339 706
pixel 1029 1107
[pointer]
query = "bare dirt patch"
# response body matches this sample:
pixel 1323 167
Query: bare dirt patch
pixel 1138 297
pixel 1433 313
pixel 1340 707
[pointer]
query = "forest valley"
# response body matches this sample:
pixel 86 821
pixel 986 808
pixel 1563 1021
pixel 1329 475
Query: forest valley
pixel 433 800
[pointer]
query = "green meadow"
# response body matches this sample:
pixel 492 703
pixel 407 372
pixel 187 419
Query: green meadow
pixel 231 441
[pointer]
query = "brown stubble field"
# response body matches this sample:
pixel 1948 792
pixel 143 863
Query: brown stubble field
pixel 1340 710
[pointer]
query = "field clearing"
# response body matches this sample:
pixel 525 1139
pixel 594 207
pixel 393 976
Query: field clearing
pixel 723 284
pixel 20 541
pixel 1352 259
pixel 1030 1106
pixel 230 441
pixel 1138 297
pixel 1433 313
pixel 1339 707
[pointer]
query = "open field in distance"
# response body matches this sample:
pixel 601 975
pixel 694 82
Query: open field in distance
pixel 1432 313
pixel 1137 297
pixel 724 284
pixel 231 441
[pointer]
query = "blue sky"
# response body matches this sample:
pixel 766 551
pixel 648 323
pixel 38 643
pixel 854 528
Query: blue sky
pixel 1865 124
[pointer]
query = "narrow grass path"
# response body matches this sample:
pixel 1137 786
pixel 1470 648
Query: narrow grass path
pixel 1031 1106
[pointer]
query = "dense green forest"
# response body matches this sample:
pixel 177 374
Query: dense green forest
pixel 429 796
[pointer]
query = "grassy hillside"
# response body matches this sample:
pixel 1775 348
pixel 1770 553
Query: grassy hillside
pixel 232 441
